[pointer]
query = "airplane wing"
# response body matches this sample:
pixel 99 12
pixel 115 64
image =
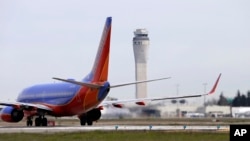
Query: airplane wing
pixel 28 106
pixel 96 86
pixel 25 106
pixel 141 101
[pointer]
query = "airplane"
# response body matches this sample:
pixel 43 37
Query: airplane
pixel 83 98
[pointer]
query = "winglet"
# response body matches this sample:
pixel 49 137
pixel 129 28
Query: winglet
pixel 215 85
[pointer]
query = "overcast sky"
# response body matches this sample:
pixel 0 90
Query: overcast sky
pixel 191 41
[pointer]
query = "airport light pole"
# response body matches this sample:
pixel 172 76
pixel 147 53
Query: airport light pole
pixel 177 93
pixel 205 90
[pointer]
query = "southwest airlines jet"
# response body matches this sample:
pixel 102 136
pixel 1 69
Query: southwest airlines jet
pixel 82 98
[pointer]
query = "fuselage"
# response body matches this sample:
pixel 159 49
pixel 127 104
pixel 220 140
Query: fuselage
pixel 65 99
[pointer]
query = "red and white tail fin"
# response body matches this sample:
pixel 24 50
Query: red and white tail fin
pixel 99 71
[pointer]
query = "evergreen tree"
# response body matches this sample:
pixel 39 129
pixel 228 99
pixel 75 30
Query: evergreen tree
pixel 243 100
pixel 248 98
pixel 237 100
pixel 222 101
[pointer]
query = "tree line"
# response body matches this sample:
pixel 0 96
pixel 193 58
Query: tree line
pixel 240 100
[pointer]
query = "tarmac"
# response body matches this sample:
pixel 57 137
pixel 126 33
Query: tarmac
pixel 57 129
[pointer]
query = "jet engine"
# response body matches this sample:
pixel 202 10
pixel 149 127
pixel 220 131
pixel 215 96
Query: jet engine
pixel 94 114
pixel 10 114
pixel 90 116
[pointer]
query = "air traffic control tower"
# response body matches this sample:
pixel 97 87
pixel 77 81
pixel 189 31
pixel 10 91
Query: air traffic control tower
pixel 140 45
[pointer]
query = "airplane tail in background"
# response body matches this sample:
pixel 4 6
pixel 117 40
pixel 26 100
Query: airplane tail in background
pixel 99 71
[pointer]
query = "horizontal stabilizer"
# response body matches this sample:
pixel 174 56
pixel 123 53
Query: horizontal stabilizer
pixel 90 85
pixel 137 82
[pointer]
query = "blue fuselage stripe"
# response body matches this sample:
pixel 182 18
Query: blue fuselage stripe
pixel 55 94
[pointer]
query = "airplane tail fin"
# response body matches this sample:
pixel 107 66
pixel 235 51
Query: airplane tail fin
pixel 99 70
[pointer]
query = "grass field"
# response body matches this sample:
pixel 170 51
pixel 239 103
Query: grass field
pixel 118 136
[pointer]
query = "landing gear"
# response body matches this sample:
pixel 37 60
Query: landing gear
pixel 89 122
pixel 86 119
pixel 89 117
pixel 83 120
pixel 29 121
pixel 39 121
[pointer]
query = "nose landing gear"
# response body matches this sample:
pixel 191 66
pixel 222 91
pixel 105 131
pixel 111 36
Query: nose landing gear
pixel 29 121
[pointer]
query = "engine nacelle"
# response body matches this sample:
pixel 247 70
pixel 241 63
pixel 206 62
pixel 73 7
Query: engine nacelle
pixel 10 114
pixel 94 114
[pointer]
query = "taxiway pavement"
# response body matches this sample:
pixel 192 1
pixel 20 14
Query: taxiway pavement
pixel 4 129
